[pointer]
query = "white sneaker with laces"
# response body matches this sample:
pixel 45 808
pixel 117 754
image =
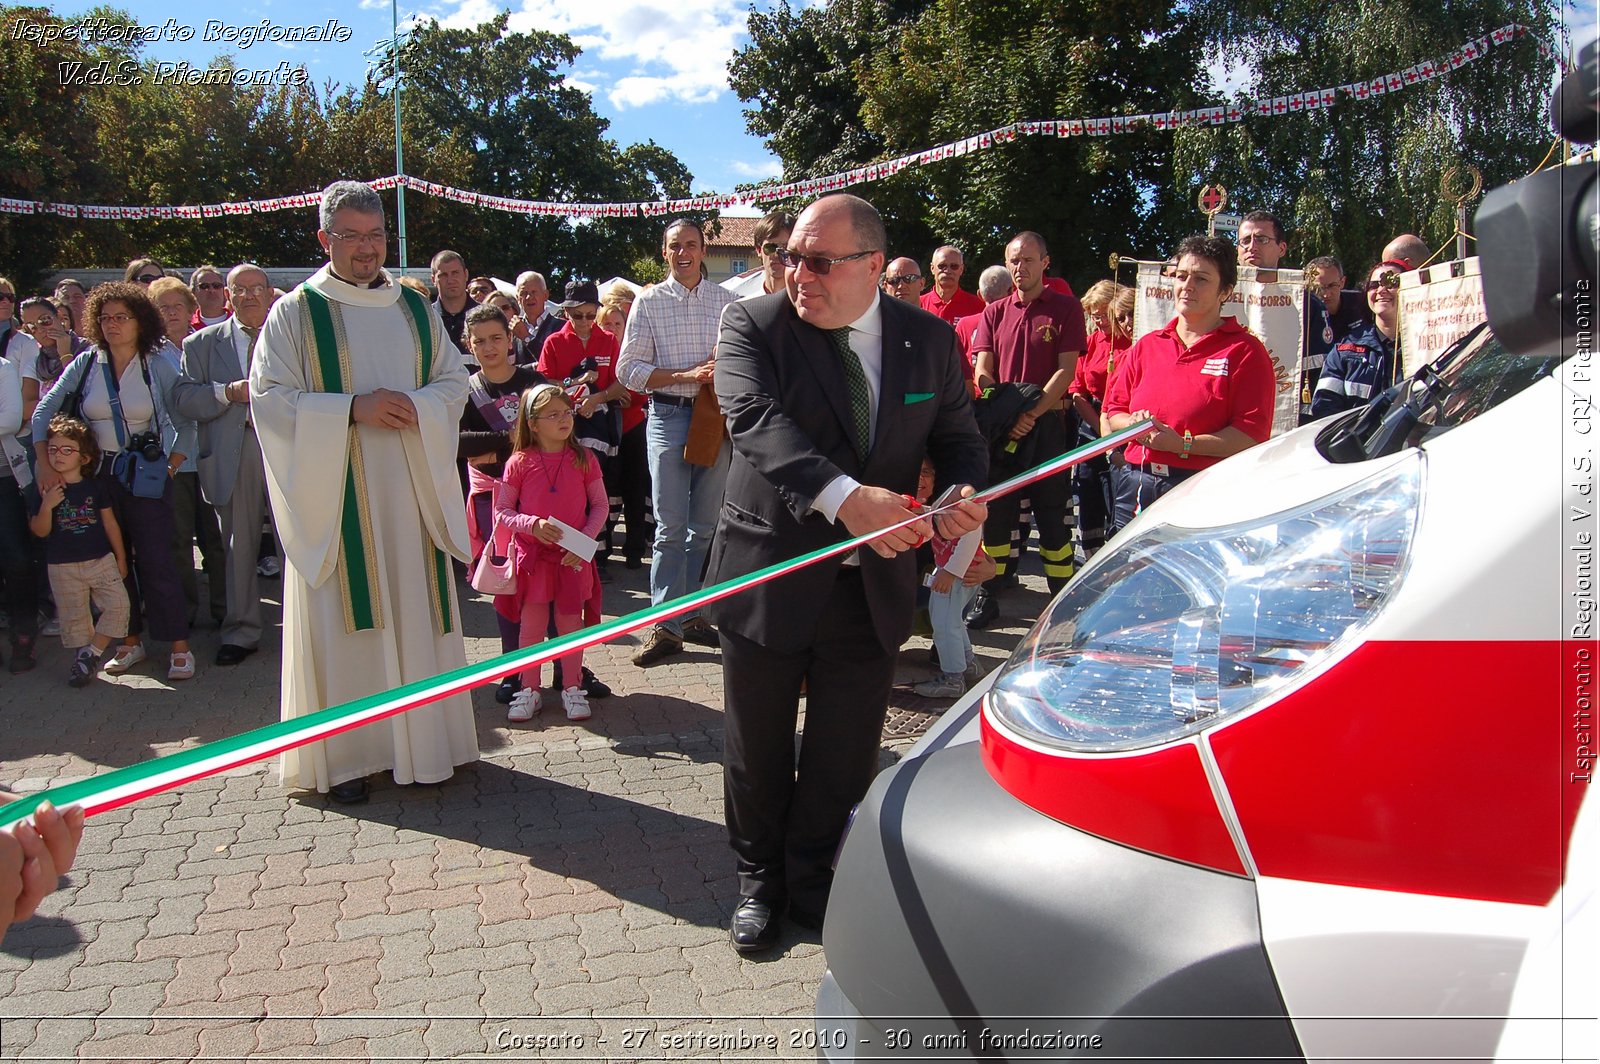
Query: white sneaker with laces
pixel 576 703
pixel 524 704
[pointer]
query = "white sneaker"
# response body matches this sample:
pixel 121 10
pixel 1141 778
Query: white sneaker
pixel 123 659
pixel 576 703
pixel 524 704
pixel 49 625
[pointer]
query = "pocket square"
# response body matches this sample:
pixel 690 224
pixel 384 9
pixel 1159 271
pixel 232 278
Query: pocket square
pixel 918 397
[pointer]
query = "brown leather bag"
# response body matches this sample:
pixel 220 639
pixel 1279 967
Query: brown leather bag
pixel 706 429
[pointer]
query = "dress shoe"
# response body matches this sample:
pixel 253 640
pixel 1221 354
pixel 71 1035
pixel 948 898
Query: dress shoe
pixel 754 926
pixel 351 792
pixel 229 654
pixel 700 632
pixel 984 611
pixel 593 686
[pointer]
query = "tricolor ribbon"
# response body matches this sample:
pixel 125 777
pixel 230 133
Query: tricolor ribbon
pixel 119 787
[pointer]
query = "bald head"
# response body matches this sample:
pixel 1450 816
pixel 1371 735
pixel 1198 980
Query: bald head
pixel 1407 248
pixel 848 231
pixel 903 280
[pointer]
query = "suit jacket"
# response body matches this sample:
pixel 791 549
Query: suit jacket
pixel 210 358
pixel 787 405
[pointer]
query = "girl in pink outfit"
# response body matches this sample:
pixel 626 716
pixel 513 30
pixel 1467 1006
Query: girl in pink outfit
pixel 549 475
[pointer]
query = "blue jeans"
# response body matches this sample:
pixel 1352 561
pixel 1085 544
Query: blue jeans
pixel 949 630
pixel 687 499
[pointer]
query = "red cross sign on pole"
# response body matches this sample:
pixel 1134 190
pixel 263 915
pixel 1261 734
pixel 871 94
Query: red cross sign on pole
pixel 1213 198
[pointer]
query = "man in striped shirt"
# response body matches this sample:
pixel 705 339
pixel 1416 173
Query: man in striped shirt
pixel 667 352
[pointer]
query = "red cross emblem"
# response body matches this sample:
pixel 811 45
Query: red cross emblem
pixel 1213 198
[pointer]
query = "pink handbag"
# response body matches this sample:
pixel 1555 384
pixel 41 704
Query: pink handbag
pixel 496 574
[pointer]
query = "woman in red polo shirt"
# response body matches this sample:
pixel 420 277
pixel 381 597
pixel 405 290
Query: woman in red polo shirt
pixel 1206 381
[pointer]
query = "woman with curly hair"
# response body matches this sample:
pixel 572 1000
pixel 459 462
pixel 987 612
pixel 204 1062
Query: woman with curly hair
pixel 124 392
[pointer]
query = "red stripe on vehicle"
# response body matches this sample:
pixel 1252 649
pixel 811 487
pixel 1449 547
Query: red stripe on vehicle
pixel 1444 768
pixel 1160 801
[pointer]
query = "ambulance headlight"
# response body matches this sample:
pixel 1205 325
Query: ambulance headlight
pixel 1179 629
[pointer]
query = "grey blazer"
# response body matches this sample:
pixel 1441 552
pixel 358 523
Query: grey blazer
pixel 210 357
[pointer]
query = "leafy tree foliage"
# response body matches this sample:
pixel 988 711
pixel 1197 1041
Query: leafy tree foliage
pixel 1346 180
pixel 860 80
pixel 481 108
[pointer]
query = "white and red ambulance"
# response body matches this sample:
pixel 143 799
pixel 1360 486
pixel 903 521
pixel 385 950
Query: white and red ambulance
pixel 1289 772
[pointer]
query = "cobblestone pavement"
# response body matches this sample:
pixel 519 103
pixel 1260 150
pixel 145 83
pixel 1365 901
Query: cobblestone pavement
pixel 565 897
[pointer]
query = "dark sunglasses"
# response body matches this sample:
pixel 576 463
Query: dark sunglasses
pixel 211 286
pixel 574 316
pixel 817 264
pixel 148 278
pixel 771 250
pixel 12 296
pixel 908 278
pixel 1388 279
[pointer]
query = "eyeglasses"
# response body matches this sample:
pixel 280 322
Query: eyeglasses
pixel 115 319
pixel 39 323
pixel 377 239
pixel 210 286
pixel 250 289
pixel 149 278
pixel 817 264
pixel 908 278
pixel 1387 279
pixel 771 250
pixel 9 296
pixel 573 315
pixel 51 448
pixel 1258 238
pixel 946 267
pixel 559 415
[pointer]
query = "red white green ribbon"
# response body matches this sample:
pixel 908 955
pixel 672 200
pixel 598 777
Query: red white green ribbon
pixel 119 787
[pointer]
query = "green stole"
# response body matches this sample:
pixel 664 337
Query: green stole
pixel 330 372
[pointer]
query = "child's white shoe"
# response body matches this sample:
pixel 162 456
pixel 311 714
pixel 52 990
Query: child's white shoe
pixel 576 703
pixel 524 704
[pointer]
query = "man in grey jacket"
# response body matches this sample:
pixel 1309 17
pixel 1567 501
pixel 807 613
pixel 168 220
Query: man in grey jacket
pixel 215 392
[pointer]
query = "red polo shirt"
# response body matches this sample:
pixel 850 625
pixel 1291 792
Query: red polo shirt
pixel 1096 362
pixel 958 306
pixel 563 351
pixel 1224 379
pixel 1028 339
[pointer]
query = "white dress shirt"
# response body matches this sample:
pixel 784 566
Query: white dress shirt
pixel 866 340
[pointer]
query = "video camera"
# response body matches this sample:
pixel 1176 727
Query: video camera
pixel 1538 238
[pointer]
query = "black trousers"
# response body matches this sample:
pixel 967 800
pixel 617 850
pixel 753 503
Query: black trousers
pixel 784 821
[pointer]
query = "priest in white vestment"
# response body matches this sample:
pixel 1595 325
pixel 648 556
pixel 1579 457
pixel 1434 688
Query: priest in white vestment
pixel 356 394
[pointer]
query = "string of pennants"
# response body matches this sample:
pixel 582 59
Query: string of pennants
pixel 1297 103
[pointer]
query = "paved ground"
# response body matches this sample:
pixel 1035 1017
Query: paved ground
pixel 572 886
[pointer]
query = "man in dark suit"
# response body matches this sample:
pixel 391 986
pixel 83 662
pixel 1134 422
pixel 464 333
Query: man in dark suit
pixel 215 391
pixel 833 396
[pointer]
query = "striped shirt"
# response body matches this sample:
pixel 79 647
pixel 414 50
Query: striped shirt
pixel 674 328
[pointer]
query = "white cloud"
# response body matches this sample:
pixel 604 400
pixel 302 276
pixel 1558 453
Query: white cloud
pixel 672 50
pixel 760 170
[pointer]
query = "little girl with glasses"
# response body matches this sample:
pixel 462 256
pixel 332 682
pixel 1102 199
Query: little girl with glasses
pixel 549 475
pixel 84 549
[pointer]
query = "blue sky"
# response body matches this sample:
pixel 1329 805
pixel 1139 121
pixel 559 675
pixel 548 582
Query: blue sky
pixel 657 69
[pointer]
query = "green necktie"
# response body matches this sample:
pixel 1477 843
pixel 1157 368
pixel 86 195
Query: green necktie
pixel 860 395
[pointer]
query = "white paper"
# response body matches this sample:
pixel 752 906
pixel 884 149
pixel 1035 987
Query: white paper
pixel 575 541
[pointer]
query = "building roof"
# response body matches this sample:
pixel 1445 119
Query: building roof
pixel 736 233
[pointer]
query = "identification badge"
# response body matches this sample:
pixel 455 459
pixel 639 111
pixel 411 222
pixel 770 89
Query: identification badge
pixel 1160 470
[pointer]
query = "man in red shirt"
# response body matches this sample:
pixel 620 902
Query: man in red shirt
pixel 948 300
pixel 1033 336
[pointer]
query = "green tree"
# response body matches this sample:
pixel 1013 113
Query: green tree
pixel 1349 178
pixel 958 70
pixel 487 109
